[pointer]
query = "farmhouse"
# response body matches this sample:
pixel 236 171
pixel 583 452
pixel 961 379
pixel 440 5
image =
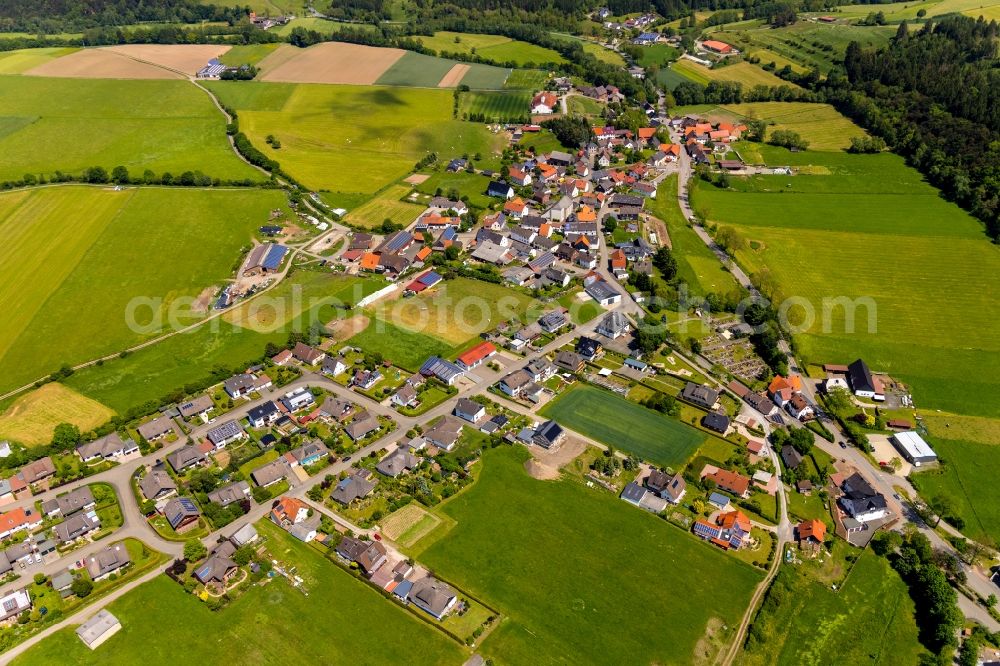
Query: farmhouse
pixel 264 258
pixel 603 293
pixel 717 47
pixel 862 381
pixel 544 103
pixel 913 447
pixel 445 371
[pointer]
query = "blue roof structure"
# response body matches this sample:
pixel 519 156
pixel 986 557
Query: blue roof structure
pixel 634 363
pixel 718 499
pixel 274 257
pixel 449 234
pixel 430 278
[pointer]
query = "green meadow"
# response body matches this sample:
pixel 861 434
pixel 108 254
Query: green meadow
pixel 617 422
pixel 352 139
pixel 803 621
pixel 581 576
pixel 424 71
pixel 496 47
pixel 347 621
pixel 232 341
pixel 923 262
pixel 497 105
pixel 406 349
pixel 70 284
pixel 68 125
pixel 21 60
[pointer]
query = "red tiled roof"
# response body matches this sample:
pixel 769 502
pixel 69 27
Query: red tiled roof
pixel 477 353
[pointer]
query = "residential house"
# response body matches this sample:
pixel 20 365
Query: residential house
pixel 864 384
pixel 217 569
pixel 79 499
pixel 76 527
pixel 356 486
pixel 589 348
pixel 433 596
pixel 239 386
pixel 799 408
pixel 635 494
pixel 731 482
pixel 761 403
pixel 366 379
pixel 811 534
pixel 474 357
pixel 716 422
pixel 307 355
pixel 370 555
pixel 271 473
pixel 109 447
pixel 244 535
pixel 182 514
pixel 309 453
pixel 544 103
pixel 333 366
pixel 263 415
pixel 397 462
pixel 569 361
pixel 500 189
pixel 288 511
pixel 549 435
pixel 862 502
pixel 37 471
pixel 225 434
pixel 156 429
pixel 614 325
pixel 445 434
pixel 197 408
pixel 469 410
pixel 670 488
pixel 157 484
pixel 781 389
pixel 18 519
pixel 102 564
pixel 14 603
pixel 406 396
pixel 699 395
pixel 729 530
pixel 515 382
pixel 550 322
pixel 791 457
pixel 363 425
pixel 297 399
pixel 230 494
pixel 337 409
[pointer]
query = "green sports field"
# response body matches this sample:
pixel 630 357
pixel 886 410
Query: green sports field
pixel 614 421
pixel 805 622
pixel 571 566
pixel 496 105
pixel 67 125
pixel 923 262
pixel 348 621
pixel 70 285
pixel 232 341
pixel 352 139
pixel 496 47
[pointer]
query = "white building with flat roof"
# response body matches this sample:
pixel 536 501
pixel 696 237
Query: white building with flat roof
pixel 913 447
pixel 98 629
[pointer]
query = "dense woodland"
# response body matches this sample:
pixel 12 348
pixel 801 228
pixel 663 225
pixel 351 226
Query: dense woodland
pixel 934 96
pixel 55 16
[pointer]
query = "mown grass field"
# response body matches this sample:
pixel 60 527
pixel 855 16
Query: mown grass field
pixel 814 625
pixel 352 139
pixel 967 477
pixel 72 124
pixel 525 79
pixel 507 520
pixel 921 260
pixel 406 349
pixel 742 72
pixel 424 71
pixel 346 619
pixel 20 61
pixel 472 185
pixel 455 311
pixel 496 47
pixel 657 54
pixel 230 342
pixel 248 54
pixel 496 105
pixel 614 421
pixel 820 124
pixel 319 25
pixel 697 267
pixel 584 106
pixel 72 285
pixel 31 418
pixel 386 206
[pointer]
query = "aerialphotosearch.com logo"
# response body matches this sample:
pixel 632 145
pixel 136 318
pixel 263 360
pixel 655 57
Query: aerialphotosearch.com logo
pixel 473 314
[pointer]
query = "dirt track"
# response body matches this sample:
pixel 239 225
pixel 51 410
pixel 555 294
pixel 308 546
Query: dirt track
pixel 454 76
pixel 330 62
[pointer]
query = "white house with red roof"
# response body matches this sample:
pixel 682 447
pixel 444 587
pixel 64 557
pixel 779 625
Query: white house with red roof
pixel 475 356
pixel 544 102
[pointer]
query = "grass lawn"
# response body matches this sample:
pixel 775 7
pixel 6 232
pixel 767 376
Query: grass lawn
pixel 657 54
pixel 580 311
pixel 496 105
pixel 743 72
pixel 584 106
pixel 456 311
pixel 696 265
pixel 472 185
pixel 387 205
pixel 496 47
pixel 487 553
pixel 346 618
pixel 924 259
pixel 72 124
pixel 404 348
pixel 232 342
pixel 804 622
pixel 32 417
pixel 71 285
pixel 616 422
pixel 352 138
pixel 967 478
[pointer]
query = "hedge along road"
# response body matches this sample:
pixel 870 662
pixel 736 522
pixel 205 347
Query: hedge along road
pixel 296 249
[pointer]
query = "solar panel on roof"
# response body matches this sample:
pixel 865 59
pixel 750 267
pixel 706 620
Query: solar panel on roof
pixel 274 257
pixel 10 605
